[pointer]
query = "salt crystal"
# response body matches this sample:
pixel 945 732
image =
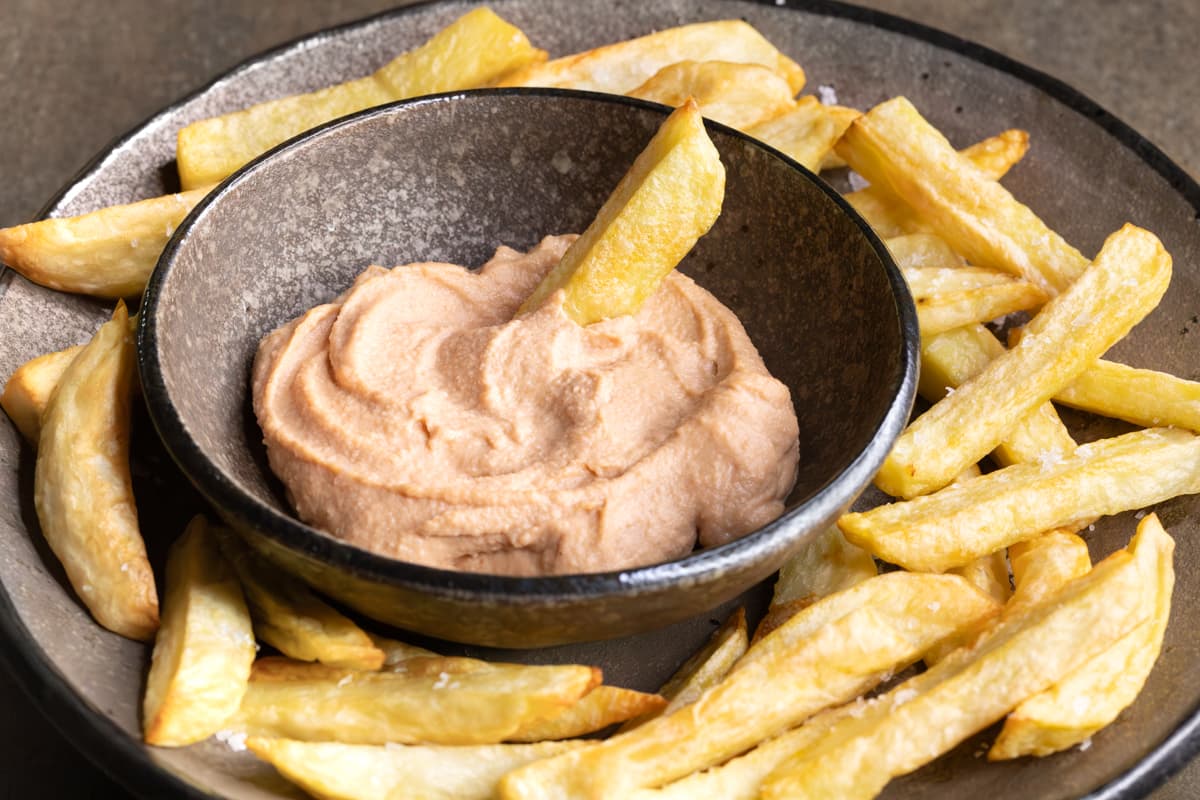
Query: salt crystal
pixel 949 391
pixel 826 94
pixel 345 681
pixel 1085 744
pixel 1139 515
pixel 934 606
pixel 1048 460
pixel 857 182
pixel 904 695
pixel 234 740
pixel 442 681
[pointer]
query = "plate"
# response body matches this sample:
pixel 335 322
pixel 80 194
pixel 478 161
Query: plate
pixel 1086 174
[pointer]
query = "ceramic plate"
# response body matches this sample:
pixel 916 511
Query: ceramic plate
pixel 1086 174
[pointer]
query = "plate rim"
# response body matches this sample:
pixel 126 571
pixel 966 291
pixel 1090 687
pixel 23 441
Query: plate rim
pixel 129 763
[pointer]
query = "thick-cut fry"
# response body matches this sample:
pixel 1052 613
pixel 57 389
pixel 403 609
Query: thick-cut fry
pixel 893 146
pixel 951 297
pixel 1092 696
pixel 806 133
pixel 826 654
pixel 204 650
pixel 989 574
pixel 106 253
pixel 292 619
pixel 82 489
pixel 928 715
pixel 707 667
pixel 474 51
pixel 599 708
pixel 825 565
pixel 619 68
pixel 370 772
pixel 950 359
pixel 962 522
pixel 1140 396
pixel 314 702
pixel 738 95
pixel 918 251
pixel 396 652
pixel 667 200
pixel 891 216
pixel 1043 565
pixel 28 390
pixel 1124 284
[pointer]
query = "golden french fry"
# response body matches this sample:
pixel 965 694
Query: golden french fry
pixel 738 95
pixel 599 708
pixel 928 715
pixel 106 253
pixel 619 68
pixel 1043 565
pixel 396 652
pixel 891 216
pixel 1140 396
pixel 28 390
pixel 950 359
pixel 203 651
pixel 315 702
pixel 963 522
pixel 806 133
pixel 707 667
pixel 826 564
pixel 336 771
pixel 667 200
pixel 291 618
pixel 1092 696
pixel 844 116
pixel 989 574
pixel 919 251
pixel 474 51
pixel 826 654
pixel 952 297
pixel 893 146
pixel 82 489
pixel 1123 285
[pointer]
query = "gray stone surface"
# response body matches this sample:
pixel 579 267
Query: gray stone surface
pixel 76 74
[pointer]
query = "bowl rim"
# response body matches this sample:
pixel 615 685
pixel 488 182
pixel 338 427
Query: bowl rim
pixel 294 535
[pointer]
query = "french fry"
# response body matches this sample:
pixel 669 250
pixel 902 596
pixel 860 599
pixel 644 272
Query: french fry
pixel 28 390
pixel 1124 284
pixel 826 654
pixel 667 200
pixel 989 574
pixel 82 489
pixel 291 618
pixel 370 772
pixel 950 359
pixel 1092 696
pixel 891 216
pixel 619 68
pixel 314 702
pixel 825 565
pixel 1043 565
pixel 106 253
pixel 475 50
pixel 707 667
pixel 952 297
pixel 917 251
pixel 929 714
pixel 738 95
pixel 963 522
pixel 396 652
pixel 1141 396
pixel 893 146
pixel 807 132
pixel 599 708
pixel 203 651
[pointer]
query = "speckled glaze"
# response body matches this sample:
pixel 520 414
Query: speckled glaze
pixel 1086 174
pixel 447 179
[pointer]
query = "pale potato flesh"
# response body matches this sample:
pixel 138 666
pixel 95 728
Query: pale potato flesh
pixel 82 489
pixel 27 391
pixel 667 200
pixel 204 650
pixel 106 253
pixel 738 95
pixel 474 51
pixel 1124 284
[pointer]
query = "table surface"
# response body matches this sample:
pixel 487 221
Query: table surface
pixel 78 73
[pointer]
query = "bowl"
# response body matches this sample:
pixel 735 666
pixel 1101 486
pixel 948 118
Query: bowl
pixel 448 178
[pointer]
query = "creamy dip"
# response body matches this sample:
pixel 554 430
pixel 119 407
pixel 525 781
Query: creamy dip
pixel 414 417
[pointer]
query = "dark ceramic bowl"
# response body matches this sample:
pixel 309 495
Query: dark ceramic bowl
pixel 448 178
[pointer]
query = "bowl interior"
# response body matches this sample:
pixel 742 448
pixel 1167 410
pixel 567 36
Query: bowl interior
pixel 449 179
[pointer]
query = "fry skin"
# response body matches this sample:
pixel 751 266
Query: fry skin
pixel 738 95
pixel 599 708
pixel 82 489
pixel 204 649
pixel 28 390
pixel 807 132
